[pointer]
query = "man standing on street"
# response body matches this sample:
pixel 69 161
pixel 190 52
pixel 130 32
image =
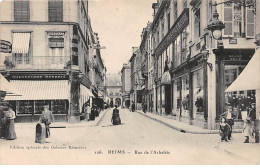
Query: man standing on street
pixel 47 118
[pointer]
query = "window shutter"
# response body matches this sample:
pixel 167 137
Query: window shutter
pixel 55 11
pixel 21 11
pixel 250 22
pixel 228 19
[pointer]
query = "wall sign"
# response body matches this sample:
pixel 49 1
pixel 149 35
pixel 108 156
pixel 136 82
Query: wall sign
pixel 5 46
pixel 175 30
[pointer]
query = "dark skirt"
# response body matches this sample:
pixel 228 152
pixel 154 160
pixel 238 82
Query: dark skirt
pixel 10 132
pixel 116 120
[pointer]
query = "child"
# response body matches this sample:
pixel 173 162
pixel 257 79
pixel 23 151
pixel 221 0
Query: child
pixel 247 130
pixel 224 129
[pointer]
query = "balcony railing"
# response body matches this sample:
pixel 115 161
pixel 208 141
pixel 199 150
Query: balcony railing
pixel 38 62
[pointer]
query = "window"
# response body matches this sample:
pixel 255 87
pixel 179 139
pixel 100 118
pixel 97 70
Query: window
pixel 197 26
pixel 250 22
pixel 56 47
pixel 21 48
pixel 162 29
pixel 239 21
pixel 228 19
pixel 175 12
pixel 169 20
pixel 55 8
pixel 184 45
pixel 185 4
pixel 21 11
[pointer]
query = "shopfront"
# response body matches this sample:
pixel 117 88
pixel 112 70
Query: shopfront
pixel 36 94
pixel 230 63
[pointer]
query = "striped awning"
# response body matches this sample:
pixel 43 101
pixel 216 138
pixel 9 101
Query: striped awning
pixel 40 90
pixel 21 42
pixel 85 91
pixel 5 86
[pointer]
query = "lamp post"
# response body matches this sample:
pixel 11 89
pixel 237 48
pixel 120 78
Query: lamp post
pixel 136 84
pixel 216 27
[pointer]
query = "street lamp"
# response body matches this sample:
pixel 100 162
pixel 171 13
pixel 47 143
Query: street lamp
pixel 136 84
pixel 216 27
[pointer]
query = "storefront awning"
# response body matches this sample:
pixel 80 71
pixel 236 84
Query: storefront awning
pixel 100 94
pixel 40 90
pixel 7 87
pixel 85 91
pixel 21 42
pixel 249 78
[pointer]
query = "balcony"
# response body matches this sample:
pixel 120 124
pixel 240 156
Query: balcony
pixel 37 62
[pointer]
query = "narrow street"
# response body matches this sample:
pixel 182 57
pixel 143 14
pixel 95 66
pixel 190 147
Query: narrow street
pixel 143 140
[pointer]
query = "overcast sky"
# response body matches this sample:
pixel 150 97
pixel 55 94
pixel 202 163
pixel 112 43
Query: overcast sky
pixel 119 24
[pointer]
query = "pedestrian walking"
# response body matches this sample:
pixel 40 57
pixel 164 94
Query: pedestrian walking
pixel 47 118
pixel 133 106
pixel 115 116
pixel 144 107
pixel 87 111
pixel 247 130
pixel 229 115
pixel 9 130
pixel 224 129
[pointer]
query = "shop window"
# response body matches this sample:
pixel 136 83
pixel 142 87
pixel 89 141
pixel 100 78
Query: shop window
pixel 185 95
pixel 21 11
pixel 59 106
pixel 198 92
pixel 25 107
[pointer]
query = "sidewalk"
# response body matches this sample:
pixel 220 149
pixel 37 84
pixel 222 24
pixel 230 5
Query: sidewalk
pixel 180 126
pixel 82 123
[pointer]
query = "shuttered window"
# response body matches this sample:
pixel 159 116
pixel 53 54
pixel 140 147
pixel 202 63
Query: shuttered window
pixel 250 22
pixel 21 11
pixel 228 19
pixel 55 8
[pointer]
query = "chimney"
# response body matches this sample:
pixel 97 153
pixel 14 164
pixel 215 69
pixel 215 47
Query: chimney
pixel 154 6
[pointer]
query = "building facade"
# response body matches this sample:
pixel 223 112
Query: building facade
pixel 114 90
pixel 53 46
pixel 137 81
pixel 191 69
pixel 126 85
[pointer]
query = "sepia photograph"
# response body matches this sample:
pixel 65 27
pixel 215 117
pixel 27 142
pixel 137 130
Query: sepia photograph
pixel 129 82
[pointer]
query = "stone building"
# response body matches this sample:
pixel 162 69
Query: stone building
pixel 53 46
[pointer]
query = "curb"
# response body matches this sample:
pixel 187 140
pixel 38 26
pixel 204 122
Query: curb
pixel 101 118
pixel 184 130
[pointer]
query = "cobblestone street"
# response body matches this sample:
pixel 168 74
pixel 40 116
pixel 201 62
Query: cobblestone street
pixel 139 140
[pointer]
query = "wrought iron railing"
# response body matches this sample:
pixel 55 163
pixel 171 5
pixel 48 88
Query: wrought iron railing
pixel 37 62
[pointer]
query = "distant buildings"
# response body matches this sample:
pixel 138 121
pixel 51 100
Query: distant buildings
pixel 126 85
pixel 55 58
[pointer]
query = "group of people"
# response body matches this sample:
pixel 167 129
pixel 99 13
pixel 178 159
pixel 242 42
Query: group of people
pixel 90 113
pixel 7 122
pixel 227 122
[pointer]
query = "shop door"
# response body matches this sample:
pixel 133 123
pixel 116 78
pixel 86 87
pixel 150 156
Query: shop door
pixel 168 99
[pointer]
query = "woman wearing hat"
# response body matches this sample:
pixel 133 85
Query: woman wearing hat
pixel 247 129
pixel 9 125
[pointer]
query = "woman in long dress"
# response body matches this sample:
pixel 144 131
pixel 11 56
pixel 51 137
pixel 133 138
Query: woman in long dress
pixel 115 116
pixel 9 125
